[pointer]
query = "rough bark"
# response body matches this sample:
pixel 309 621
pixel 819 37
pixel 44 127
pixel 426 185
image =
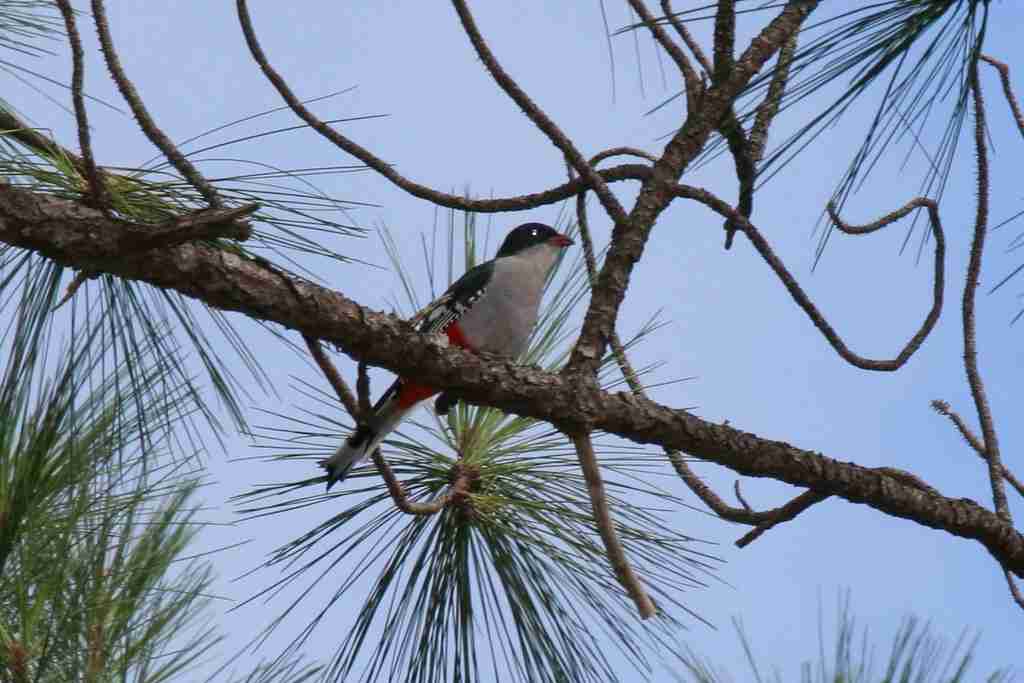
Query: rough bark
pixel 80 237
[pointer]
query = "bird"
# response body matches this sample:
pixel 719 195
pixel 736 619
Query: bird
pixel 492 308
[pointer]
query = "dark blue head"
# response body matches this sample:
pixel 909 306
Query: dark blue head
pixel 530 235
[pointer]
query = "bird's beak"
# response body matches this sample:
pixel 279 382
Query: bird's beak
pixel 560 241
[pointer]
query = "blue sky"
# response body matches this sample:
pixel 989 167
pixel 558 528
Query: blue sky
pixel 758 361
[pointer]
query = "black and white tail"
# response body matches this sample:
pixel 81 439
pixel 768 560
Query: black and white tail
pixel 387 414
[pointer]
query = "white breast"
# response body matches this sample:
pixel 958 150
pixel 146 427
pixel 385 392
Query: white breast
pixel 502 320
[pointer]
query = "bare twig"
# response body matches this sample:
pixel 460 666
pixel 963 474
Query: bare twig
pixel 333 377
pixel 142 116
pixel 801 298
pixel 783 514
pixel 691 80
pixel 1011 99
pixel 602 516
pixel 942 408
pixel 97 191
pixel 988 430
pixel 539 118
pixel 451 201
pixel 621 151
pixel 684 33
pixel 76 282
pixel 769 107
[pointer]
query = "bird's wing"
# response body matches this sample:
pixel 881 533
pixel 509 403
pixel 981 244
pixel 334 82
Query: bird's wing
pixel 453 304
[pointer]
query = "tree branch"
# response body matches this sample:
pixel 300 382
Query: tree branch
pixel 334 378
pixel 77 236
pixel 782 514
pixel 725 40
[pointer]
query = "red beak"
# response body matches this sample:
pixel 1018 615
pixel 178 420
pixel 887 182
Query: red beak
pixel 560 241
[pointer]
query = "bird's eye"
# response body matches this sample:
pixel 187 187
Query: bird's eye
pixel 533 233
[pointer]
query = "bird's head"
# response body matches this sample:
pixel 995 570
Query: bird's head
pixel 530 235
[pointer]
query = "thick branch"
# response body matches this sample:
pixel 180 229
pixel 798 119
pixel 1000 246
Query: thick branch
pixel 80 237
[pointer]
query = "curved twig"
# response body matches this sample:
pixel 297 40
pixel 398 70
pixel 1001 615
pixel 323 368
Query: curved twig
pixel 400 497
pixel 988 430
pixel 450 201
pixel 800 297
pixel 608 200
pixel 97 191
pixel 602 516
pixel 142 116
